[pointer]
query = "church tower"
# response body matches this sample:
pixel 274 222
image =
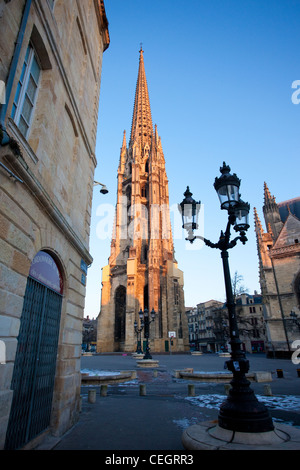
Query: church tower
pixel 279 271
pixel 142 271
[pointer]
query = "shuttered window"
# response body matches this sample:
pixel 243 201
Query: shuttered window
pixel 26 93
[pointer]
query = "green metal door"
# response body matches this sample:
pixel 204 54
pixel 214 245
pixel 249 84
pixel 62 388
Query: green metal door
pixel 35 364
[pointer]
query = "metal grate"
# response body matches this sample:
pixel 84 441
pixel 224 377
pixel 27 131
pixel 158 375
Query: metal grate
pixel 35 364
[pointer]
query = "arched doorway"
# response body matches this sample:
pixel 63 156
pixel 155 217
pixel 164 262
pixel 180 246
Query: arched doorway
pixel 120 314
pixel 35 363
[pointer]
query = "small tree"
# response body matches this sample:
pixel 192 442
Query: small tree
pixel 237 287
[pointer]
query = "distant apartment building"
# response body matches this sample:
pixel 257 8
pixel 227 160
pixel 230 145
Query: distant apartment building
pixel 191 315
pixel 201 326
pixel 209 326
pixel 207 340
pixel 250 314
pixel 51 61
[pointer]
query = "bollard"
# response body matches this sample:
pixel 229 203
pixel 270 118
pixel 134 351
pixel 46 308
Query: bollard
pixel 227 388
pixel 92 396
pixel 103 390
pixel 279 373
pixel 142 390
pixel 268 391
pixel 191 390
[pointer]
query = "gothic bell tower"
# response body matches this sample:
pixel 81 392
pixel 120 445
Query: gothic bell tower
pixel 142 271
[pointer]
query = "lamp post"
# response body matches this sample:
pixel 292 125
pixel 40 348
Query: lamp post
pixel 241 411
pixel 103 189
pixel 138 336
pixel 144 317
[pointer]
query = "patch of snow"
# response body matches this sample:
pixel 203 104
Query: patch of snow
pixel 280 402
pixel 99 372
pixel 211 373
pixel 184 422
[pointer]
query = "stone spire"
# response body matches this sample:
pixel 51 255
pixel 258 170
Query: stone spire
pixel 272 217
pixel 258 226
pixel 123 155
pixel 142 272
pixel 269 200
pixel 141 128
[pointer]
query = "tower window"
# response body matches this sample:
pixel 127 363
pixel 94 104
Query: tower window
pixel 145 253
pixel 144 191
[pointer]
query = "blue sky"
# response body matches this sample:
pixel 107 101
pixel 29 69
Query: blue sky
pixel 220 75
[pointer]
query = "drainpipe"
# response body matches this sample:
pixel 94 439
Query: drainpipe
pixel 12 71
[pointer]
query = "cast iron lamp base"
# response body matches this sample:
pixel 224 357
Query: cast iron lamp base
pixel 242 411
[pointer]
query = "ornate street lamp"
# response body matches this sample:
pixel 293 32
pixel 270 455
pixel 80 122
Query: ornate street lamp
pixel 227 187
pixel 241 212
pixel 241 411
pixel 138 336
pixel 189 210
pixel 144 317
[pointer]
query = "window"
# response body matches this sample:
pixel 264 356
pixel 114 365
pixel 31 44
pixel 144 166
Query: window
pixel 144 191
pixel 25 97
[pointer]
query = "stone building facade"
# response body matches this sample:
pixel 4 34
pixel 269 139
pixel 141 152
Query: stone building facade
pixel 51 61
pixel 209 325
pixel 201 321
pixel 142 272
pixel 250 313
pixel 279 269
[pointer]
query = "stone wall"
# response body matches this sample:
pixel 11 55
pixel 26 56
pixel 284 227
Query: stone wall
pixel 50 208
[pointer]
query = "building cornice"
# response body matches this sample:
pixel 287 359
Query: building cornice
pixel 103 22
pixel 283 252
